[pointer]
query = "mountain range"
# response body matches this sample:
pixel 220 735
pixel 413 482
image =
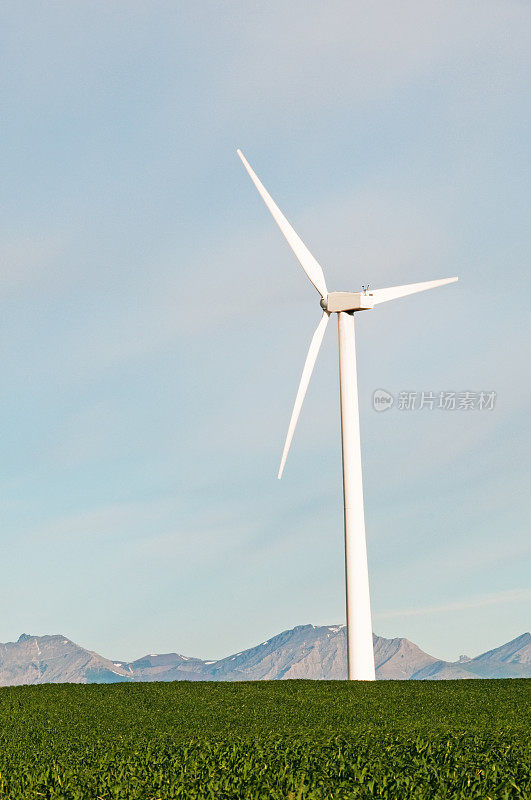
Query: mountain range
pixel 306 651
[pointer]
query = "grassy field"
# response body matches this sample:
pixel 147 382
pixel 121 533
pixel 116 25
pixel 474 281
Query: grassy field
pixel 291 740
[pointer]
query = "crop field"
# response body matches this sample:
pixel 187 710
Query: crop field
pixel 270 740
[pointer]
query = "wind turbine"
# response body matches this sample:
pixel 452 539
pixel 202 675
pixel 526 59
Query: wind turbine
pixel 360 654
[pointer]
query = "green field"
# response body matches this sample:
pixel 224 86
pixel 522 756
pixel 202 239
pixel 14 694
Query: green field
pixel 292 740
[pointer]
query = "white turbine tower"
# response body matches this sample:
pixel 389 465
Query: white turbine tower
pixel 360 653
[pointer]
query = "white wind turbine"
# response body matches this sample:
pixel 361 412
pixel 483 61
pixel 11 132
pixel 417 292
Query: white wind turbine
pixel 360 653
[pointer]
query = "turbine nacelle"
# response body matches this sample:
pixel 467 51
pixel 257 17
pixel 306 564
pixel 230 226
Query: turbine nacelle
pixel 347 301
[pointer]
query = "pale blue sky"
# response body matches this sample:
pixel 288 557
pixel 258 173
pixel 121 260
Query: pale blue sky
pixel 154 323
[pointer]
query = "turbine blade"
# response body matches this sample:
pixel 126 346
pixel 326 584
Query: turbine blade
pixel 394 292
pixel 311 267
pixel 309 364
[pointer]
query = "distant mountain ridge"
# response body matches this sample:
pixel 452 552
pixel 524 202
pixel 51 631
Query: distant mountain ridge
pixel 52 659
pixel 307 651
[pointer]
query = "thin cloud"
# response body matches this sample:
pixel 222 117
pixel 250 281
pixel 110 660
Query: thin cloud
pixel 509 596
